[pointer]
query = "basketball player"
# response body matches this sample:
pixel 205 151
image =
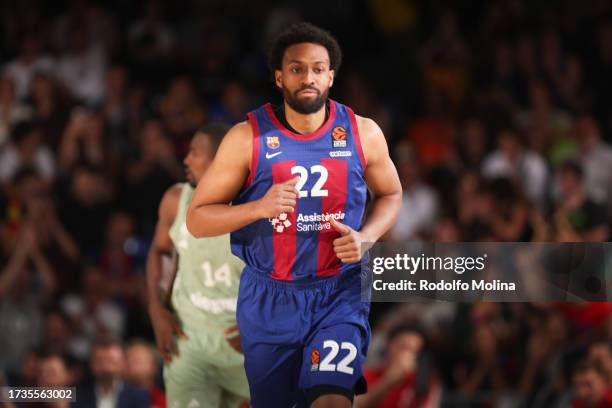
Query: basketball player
pixel 297 177
pixel 197 333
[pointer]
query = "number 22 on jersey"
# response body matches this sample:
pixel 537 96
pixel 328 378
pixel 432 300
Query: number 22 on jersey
pixel 317 189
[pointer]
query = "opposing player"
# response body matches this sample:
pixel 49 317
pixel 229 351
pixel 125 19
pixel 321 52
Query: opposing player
pixel 297 177
pixel 196 333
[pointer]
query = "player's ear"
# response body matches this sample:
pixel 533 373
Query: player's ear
pixel 278 76
pixel 332 75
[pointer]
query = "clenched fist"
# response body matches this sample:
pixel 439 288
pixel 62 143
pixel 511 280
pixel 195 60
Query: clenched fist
pixel 280 198
pixel 348 246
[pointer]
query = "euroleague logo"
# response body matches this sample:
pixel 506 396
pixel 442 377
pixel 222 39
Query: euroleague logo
pixel 339 136
pixel 315 357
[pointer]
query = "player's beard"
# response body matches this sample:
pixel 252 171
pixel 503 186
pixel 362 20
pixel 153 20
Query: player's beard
pixel 305 106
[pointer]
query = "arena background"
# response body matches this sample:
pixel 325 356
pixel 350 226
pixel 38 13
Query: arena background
pixel 499 119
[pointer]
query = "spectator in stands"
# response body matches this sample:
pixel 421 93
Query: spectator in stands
pixel 92 313
pixel 524 167
pixel 51 106
pixel 30 60
pixel 27 373
pixel 595 156
pixel 472 143
pixel 153 169
pixel 27 284
pixel 577 217
pixel 26 150
pixel 57 334
pixel 54 240
pixel 483 370
pixel 115 110
pixel 108 388
pixel 52 373
pixel 151 38
pixel 84 142
pixel 601 352
pixel 233 106
pixel 122 260
pixel 85 198
pixel 81 67
pixel 405 378
pixel 142 369
pixel 181 111
pixel 11 110
pixel 420 203
pixel 591 386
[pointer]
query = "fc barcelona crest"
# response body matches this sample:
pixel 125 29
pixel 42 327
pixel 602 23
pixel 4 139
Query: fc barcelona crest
pixel 272 142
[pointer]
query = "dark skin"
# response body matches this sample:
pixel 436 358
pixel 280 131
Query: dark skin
pixel 165 325
pixel 305 74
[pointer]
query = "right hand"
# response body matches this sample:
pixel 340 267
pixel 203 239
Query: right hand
pixel 280 198
pixel 167 329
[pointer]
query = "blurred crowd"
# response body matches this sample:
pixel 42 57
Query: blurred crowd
pixel 498 115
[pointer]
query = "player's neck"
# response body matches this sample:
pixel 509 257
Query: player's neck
pixel 305 123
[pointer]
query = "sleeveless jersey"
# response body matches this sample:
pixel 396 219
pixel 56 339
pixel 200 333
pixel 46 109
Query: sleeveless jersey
pixel 330 163
pixel 205 288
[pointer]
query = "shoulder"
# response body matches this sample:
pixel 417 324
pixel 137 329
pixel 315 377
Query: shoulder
pixel 239 137
pixel 367 125
pixel 168 206
pixel 372 139
pixel 242 130
pixel 237 145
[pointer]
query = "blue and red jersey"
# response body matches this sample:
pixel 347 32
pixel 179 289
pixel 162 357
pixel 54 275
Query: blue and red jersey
pixel 298 246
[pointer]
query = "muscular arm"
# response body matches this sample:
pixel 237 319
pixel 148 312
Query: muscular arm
pixel 166 326
pixel 210 212
pixel 382 179
pixel 162 245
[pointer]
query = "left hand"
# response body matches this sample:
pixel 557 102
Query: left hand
pixel 348 246
pixel 232 335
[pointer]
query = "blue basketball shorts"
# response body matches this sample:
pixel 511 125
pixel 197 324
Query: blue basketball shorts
pixel 302 340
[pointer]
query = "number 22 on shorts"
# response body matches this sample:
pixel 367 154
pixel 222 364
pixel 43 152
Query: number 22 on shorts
pixel 342 366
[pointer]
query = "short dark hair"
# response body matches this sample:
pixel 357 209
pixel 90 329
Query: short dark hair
pixel 215 132
pixel 304 33
pixel 404 328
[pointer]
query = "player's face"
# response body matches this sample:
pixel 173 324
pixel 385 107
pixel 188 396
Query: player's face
pixel 305 77
pixel 198 159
